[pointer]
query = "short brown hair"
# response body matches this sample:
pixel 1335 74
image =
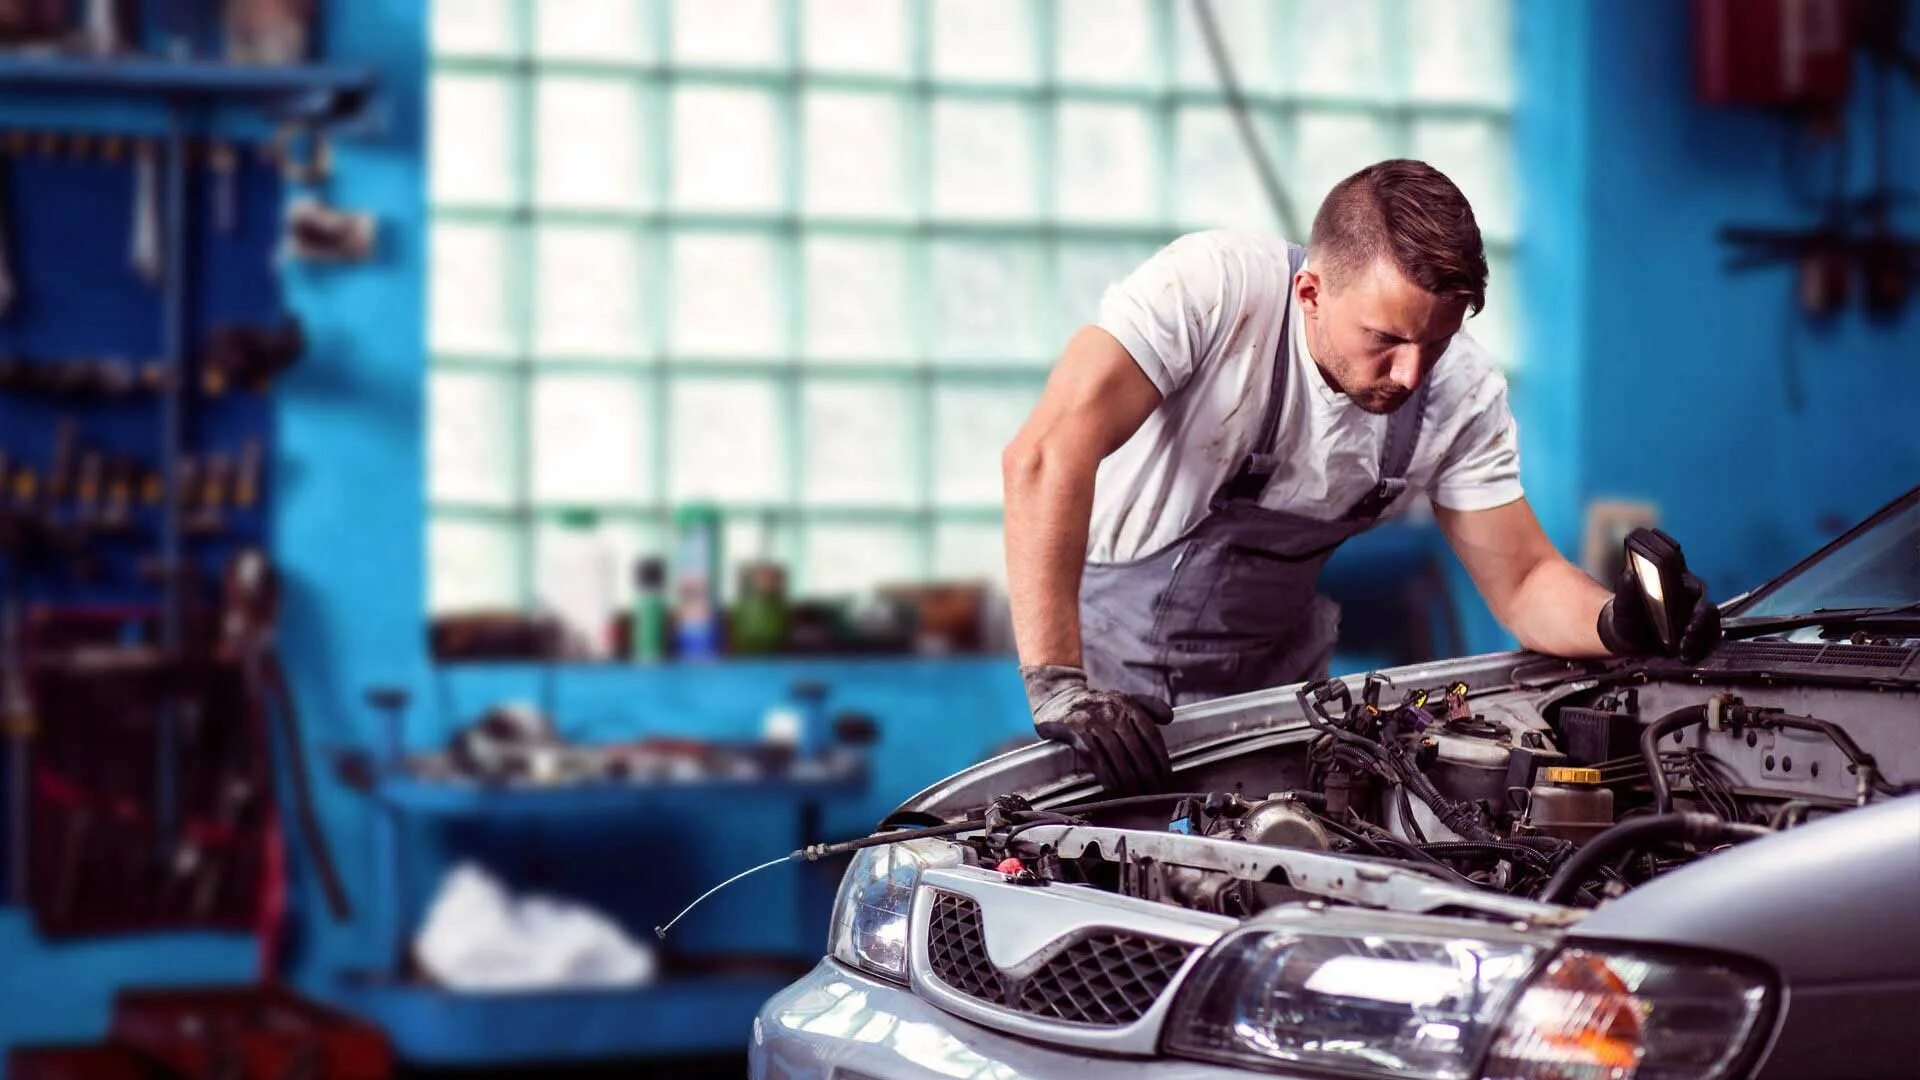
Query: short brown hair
pixel 1411 211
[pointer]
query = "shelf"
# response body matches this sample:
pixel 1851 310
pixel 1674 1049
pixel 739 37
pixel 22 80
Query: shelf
pixel 313 92
pixel 680 1015
pixel 463 798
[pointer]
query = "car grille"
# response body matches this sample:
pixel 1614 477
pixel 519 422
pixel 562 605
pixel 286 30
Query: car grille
pixel 1107 978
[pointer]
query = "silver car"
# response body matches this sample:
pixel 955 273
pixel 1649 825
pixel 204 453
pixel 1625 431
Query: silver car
pixel 1506 866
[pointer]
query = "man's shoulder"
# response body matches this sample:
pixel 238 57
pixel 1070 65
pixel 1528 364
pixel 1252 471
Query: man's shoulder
pixel 1468 376
pixel 1245 242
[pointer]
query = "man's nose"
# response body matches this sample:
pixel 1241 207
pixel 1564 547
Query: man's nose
pixel 1406 369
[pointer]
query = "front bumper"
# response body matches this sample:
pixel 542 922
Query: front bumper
pixel 835 1024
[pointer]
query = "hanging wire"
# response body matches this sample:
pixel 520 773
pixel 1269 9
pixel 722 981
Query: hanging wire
pixel 1243 120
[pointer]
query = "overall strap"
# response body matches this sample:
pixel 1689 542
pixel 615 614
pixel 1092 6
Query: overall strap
pixel 1396 454
pixel 1257 468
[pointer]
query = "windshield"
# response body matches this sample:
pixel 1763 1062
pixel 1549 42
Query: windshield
pixel 1877 565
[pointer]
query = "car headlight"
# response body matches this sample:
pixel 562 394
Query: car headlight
pixel 1346 996
pixel 1594 1013
pixel 1386 997
pixel 869 928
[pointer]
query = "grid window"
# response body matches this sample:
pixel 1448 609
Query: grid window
pixel 809 260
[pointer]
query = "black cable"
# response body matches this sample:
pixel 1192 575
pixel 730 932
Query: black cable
pixel 1638 833
pixel 1650 737
pixel 1242 121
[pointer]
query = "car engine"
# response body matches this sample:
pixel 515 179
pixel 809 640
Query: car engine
pixel 1568 798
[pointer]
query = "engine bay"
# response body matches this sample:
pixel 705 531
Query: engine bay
pixel 1567 796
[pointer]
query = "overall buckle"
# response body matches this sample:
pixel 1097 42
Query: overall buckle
pixel 1374 502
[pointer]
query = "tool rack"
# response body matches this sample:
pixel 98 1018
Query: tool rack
pixel 170 112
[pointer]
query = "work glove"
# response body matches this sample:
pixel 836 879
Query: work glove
pixel 1114 736
pixel 1627 630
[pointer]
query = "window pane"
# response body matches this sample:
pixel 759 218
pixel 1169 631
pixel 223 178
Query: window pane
pixel 856 35
pixel 1217 185
pixel 856 155
pixel 971 426
pixel 844 559
pixel 983 159
pixel 969 551
pixel 1085 270
pixel 1339 48
pixel 471 437
pixel 1332 147
pixel 724 154
pixel 752 538
pixel 856 442
pixel 724 300
pixel 987 298
pixel 589 299
pixel 476 566
pixel 591 29
pixel 856 298
pixel 590 136
pixel 984 40
pixel 592 440
pixel 473 27
pixel 1106 41
pixel 1106 162
pixel 1466 49
pixel 726 31
pixel 468 310
pixel 729 440
pixel 472 137
pixel 1475 154
pixel 1248 29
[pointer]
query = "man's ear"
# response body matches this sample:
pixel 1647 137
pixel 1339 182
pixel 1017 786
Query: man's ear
pixel 1306 289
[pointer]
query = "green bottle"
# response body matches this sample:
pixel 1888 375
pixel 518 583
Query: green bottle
pixel 647 639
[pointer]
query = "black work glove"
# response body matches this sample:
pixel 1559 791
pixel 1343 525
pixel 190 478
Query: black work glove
pixel 1114 736
pixel 1627 630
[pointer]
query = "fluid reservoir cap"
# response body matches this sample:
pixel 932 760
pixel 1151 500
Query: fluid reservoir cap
pixel 1567 774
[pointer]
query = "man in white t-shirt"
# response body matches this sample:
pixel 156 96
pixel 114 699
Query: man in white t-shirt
pixel 1243 406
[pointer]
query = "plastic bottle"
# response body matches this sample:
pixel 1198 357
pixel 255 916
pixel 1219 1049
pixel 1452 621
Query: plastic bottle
pixel 647 633
pixel 574 582
pixel 696 583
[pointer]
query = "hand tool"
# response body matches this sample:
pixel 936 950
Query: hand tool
pixel 60 475
pixel 17 709
pixel 87 489
pixel 225 165
pixel 246 483
pixel 249 608
pixel 120 482
pixel 9 290
pixel 144 253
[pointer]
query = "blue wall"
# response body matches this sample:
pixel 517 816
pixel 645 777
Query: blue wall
pixel 1747 473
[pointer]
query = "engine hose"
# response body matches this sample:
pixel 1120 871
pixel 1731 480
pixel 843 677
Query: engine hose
pixel 1456 816
pixel 1639 833
pixel 1539 860
pixel 1650 737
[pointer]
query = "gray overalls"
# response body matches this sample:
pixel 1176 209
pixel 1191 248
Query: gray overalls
pixel 1231 606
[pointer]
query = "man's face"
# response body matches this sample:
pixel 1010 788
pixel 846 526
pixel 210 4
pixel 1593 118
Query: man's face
pixel 1377 335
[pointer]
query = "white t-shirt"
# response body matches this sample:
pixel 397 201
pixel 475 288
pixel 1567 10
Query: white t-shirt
pixel 1202 319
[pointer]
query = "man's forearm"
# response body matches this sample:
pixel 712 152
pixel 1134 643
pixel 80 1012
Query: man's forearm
pixel 1048 503
pixel 1556 610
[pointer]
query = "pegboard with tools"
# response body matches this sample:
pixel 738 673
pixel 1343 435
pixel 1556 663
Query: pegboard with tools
pixel 141 329
pixel 86 446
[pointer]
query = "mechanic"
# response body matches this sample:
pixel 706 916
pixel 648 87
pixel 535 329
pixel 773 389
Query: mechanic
pixel 1242 407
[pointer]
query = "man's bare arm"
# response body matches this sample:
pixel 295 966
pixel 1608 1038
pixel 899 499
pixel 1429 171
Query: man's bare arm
pixel 1096 398
pixel 1551 605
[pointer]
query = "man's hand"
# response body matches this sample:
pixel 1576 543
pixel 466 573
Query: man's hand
pixel 1627 630
pixel 1115 736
